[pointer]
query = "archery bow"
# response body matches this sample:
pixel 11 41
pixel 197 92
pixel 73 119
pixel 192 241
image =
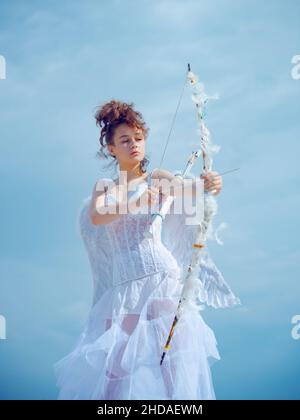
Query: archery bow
pixel 191 283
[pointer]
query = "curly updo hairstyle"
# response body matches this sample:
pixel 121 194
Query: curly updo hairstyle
pixel 108 117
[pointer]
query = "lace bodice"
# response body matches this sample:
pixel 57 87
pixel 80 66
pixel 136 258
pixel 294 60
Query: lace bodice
pixel 119 252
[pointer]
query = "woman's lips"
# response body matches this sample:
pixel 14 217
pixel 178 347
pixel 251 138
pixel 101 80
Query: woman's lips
pixel 134 153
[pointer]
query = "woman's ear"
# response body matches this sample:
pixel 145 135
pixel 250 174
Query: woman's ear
pixel 111 151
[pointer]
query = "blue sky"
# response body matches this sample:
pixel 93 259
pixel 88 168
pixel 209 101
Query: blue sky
pixel 65 58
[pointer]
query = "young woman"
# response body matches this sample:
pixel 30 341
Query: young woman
pixel 138 281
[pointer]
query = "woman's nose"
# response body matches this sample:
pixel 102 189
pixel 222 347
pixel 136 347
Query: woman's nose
pixel 133 142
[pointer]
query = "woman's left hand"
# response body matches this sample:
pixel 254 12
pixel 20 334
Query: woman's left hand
pixel 212 181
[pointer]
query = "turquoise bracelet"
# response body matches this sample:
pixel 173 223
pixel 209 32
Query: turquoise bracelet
pixel 158 214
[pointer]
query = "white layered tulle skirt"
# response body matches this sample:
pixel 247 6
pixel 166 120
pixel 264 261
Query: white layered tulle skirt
pixel 117 356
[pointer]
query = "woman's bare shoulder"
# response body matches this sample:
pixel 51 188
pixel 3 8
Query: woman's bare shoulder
pixel 104 186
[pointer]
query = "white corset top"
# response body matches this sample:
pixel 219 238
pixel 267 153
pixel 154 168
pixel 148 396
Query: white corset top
pixel 119 252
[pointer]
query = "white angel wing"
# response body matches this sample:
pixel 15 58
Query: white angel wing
pixel 178 238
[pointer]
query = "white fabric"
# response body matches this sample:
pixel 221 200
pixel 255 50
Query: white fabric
pixel 137 286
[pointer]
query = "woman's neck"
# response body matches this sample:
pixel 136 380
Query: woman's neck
pixel 130 176
pixel 133 173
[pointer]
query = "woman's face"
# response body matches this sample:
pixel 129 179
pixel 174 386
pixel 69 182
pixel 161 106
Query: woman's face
pixel 126 140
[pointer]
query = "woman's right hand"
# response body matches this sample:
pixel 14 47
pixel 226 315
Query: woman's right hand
pixel 149 197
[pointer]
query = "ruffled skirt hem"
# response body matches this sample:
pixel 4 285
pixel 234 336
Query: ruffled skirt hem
pixel 117 356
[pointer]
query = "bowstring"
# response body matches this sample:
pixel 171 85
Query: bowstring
pixel 173 122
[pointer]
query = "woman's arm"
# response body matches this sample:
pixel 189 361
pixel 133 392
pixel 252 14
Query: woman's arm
pixel 102 209
pixel 172 185
pixel 176 186
pixel 108 203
